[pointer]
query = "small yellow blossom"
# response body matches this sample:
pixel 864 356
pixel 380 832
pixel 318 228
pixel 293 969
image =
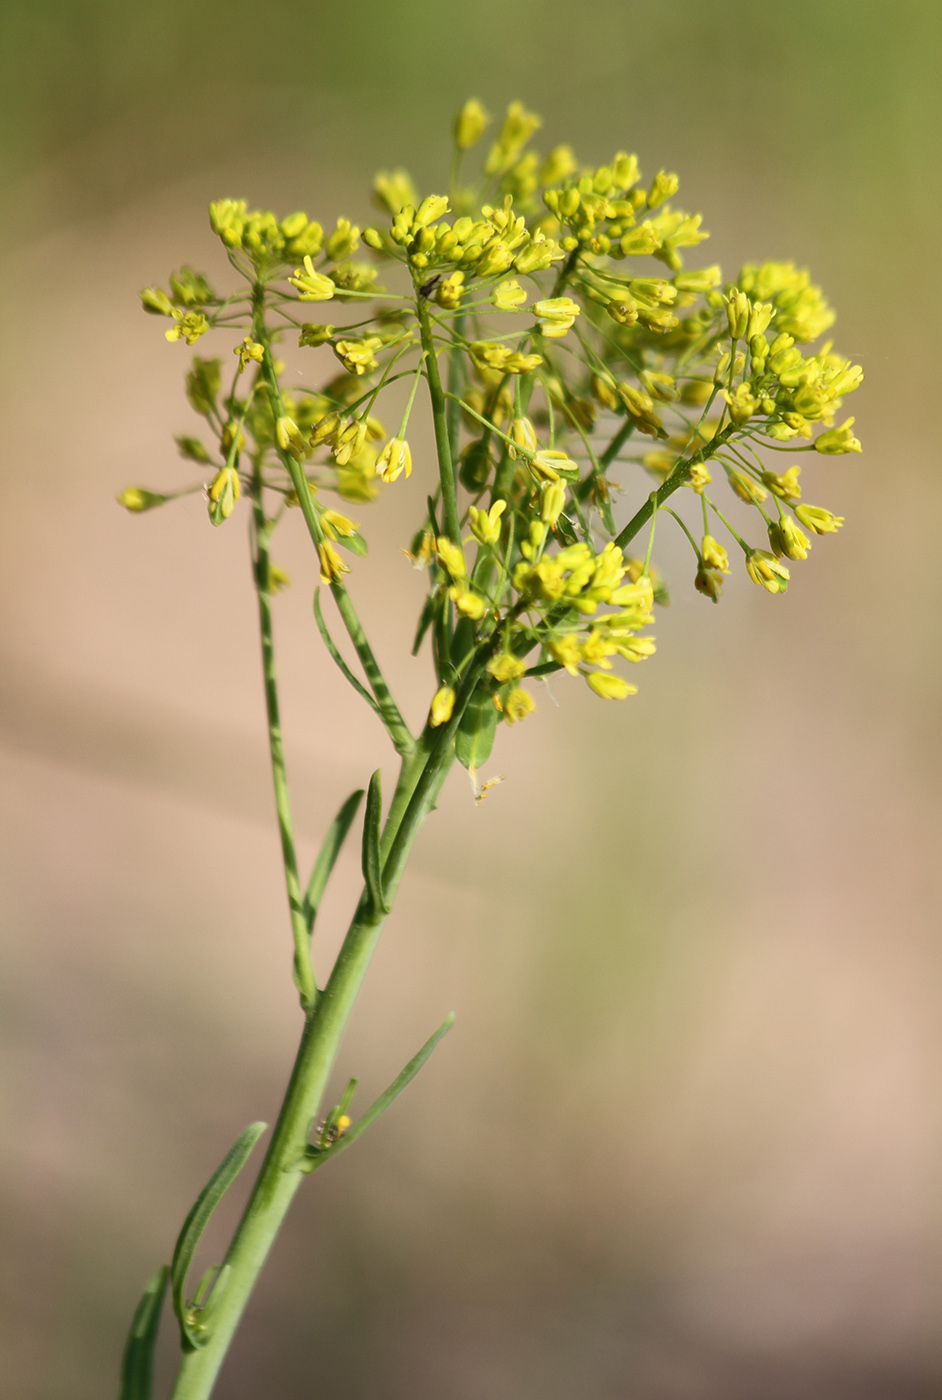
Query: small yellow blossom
pixel 610 687
pixel 517 706
pixel 556 315
pixel 450 290
pixel 714 555
pixel 395 458
pixel 451 557
pixel 224 490
pixel 249 350
pixel 312 285
pixel 470 124
pixel 349 441
pixel 767 571
pixel 332 566
pixel 486 524
pixel 442 707
pixel 469 603
pixel 833 442
pixel 506 667
pixel 188 326
pixel 509 296
pixel 337 526
pixel 136 499
pixel 567 651
pixel 290 438
pixel 523 436
pixel 747 489
pixel 786 485
pixel 552 500
pixel 358 356
pixel 699 477
pixel 786 538
pixel 819 520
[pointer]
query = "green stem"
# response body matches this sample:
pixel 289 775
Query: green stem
pixel 281 1173
pixel 446 464
pixel 303 967
pixel 399 731
pixel 678 477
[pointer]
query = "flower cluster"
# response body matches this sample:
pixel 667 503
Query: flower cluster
pixel 569 357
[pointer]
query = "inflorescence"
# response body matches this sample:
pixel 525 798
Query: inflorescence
pixel 549 312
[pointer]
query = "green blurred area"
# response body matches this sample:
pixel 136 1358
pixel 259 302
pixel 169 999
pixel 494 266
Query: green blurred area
pixel 677 1151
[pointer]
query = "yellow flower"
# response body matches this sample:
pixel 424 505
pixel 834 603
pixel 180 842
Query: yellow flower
pixel 486 524
pixel 225 489
pixel 506 667
pixel 833 442
pixel 785 486
pixel 451 557
pixel 517 706
pixel 470 124
pixel 337 526
pixel 556 315
pixel 290 438
pixel 522 435
pixel 765 570
pixel 358 356
pixel 508 296
pixel 821 521
pixel 311 285
pixel 332 566
pixel 714 555
pixel 395 458
pixel 188 326
pixel 552 500
pixel 249 350
pixel 786 538
pixel 467 602
pixel 136 499
pixel 610 687
pixel 442 707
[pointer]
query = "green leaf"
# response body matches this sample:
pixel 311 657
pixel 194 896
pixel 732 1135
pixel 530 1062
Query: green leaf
pixel 563 528
pixel 425 621
pixel 356 544
pixel 137 1365
pixel 316 1157
pixel 372 871
pixel 327 856
pixel 196 1222
pixel 475 737
pixel 342 666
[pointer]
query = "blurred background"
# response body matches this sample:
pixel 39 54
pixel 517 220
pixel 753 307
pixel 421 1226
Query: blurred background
pixel 681 1143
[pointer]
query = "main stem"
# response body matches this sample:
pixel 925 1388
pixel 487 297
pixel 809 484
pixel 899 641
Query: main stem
pixel 424 764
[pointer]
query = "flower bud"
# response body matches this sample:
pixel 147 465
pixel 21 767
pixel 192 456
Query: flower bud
pixel 136 499
pixel 395 458
pixel 225 489
pixel 609 686
pixel 766 571
pixel 470 124
pixel 442 707
pixel 819 520
pixel 838 440
pixel 333 567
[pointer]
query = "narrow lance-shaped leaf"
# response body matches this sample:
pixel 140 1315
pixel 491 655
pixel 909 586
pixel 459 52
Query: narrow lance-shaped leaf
pixel 372 818
pixel 196 1222
pixel 137 1365
pixel 342 666
pixel 316 1158
pixel 327 856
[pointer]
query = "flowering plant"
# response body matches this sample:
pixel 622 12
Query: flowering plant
pixel 567 355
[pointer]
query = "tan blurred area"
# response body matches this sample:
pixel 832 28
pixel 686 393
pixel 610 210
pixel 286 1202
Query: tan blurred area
pixel 682 1142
